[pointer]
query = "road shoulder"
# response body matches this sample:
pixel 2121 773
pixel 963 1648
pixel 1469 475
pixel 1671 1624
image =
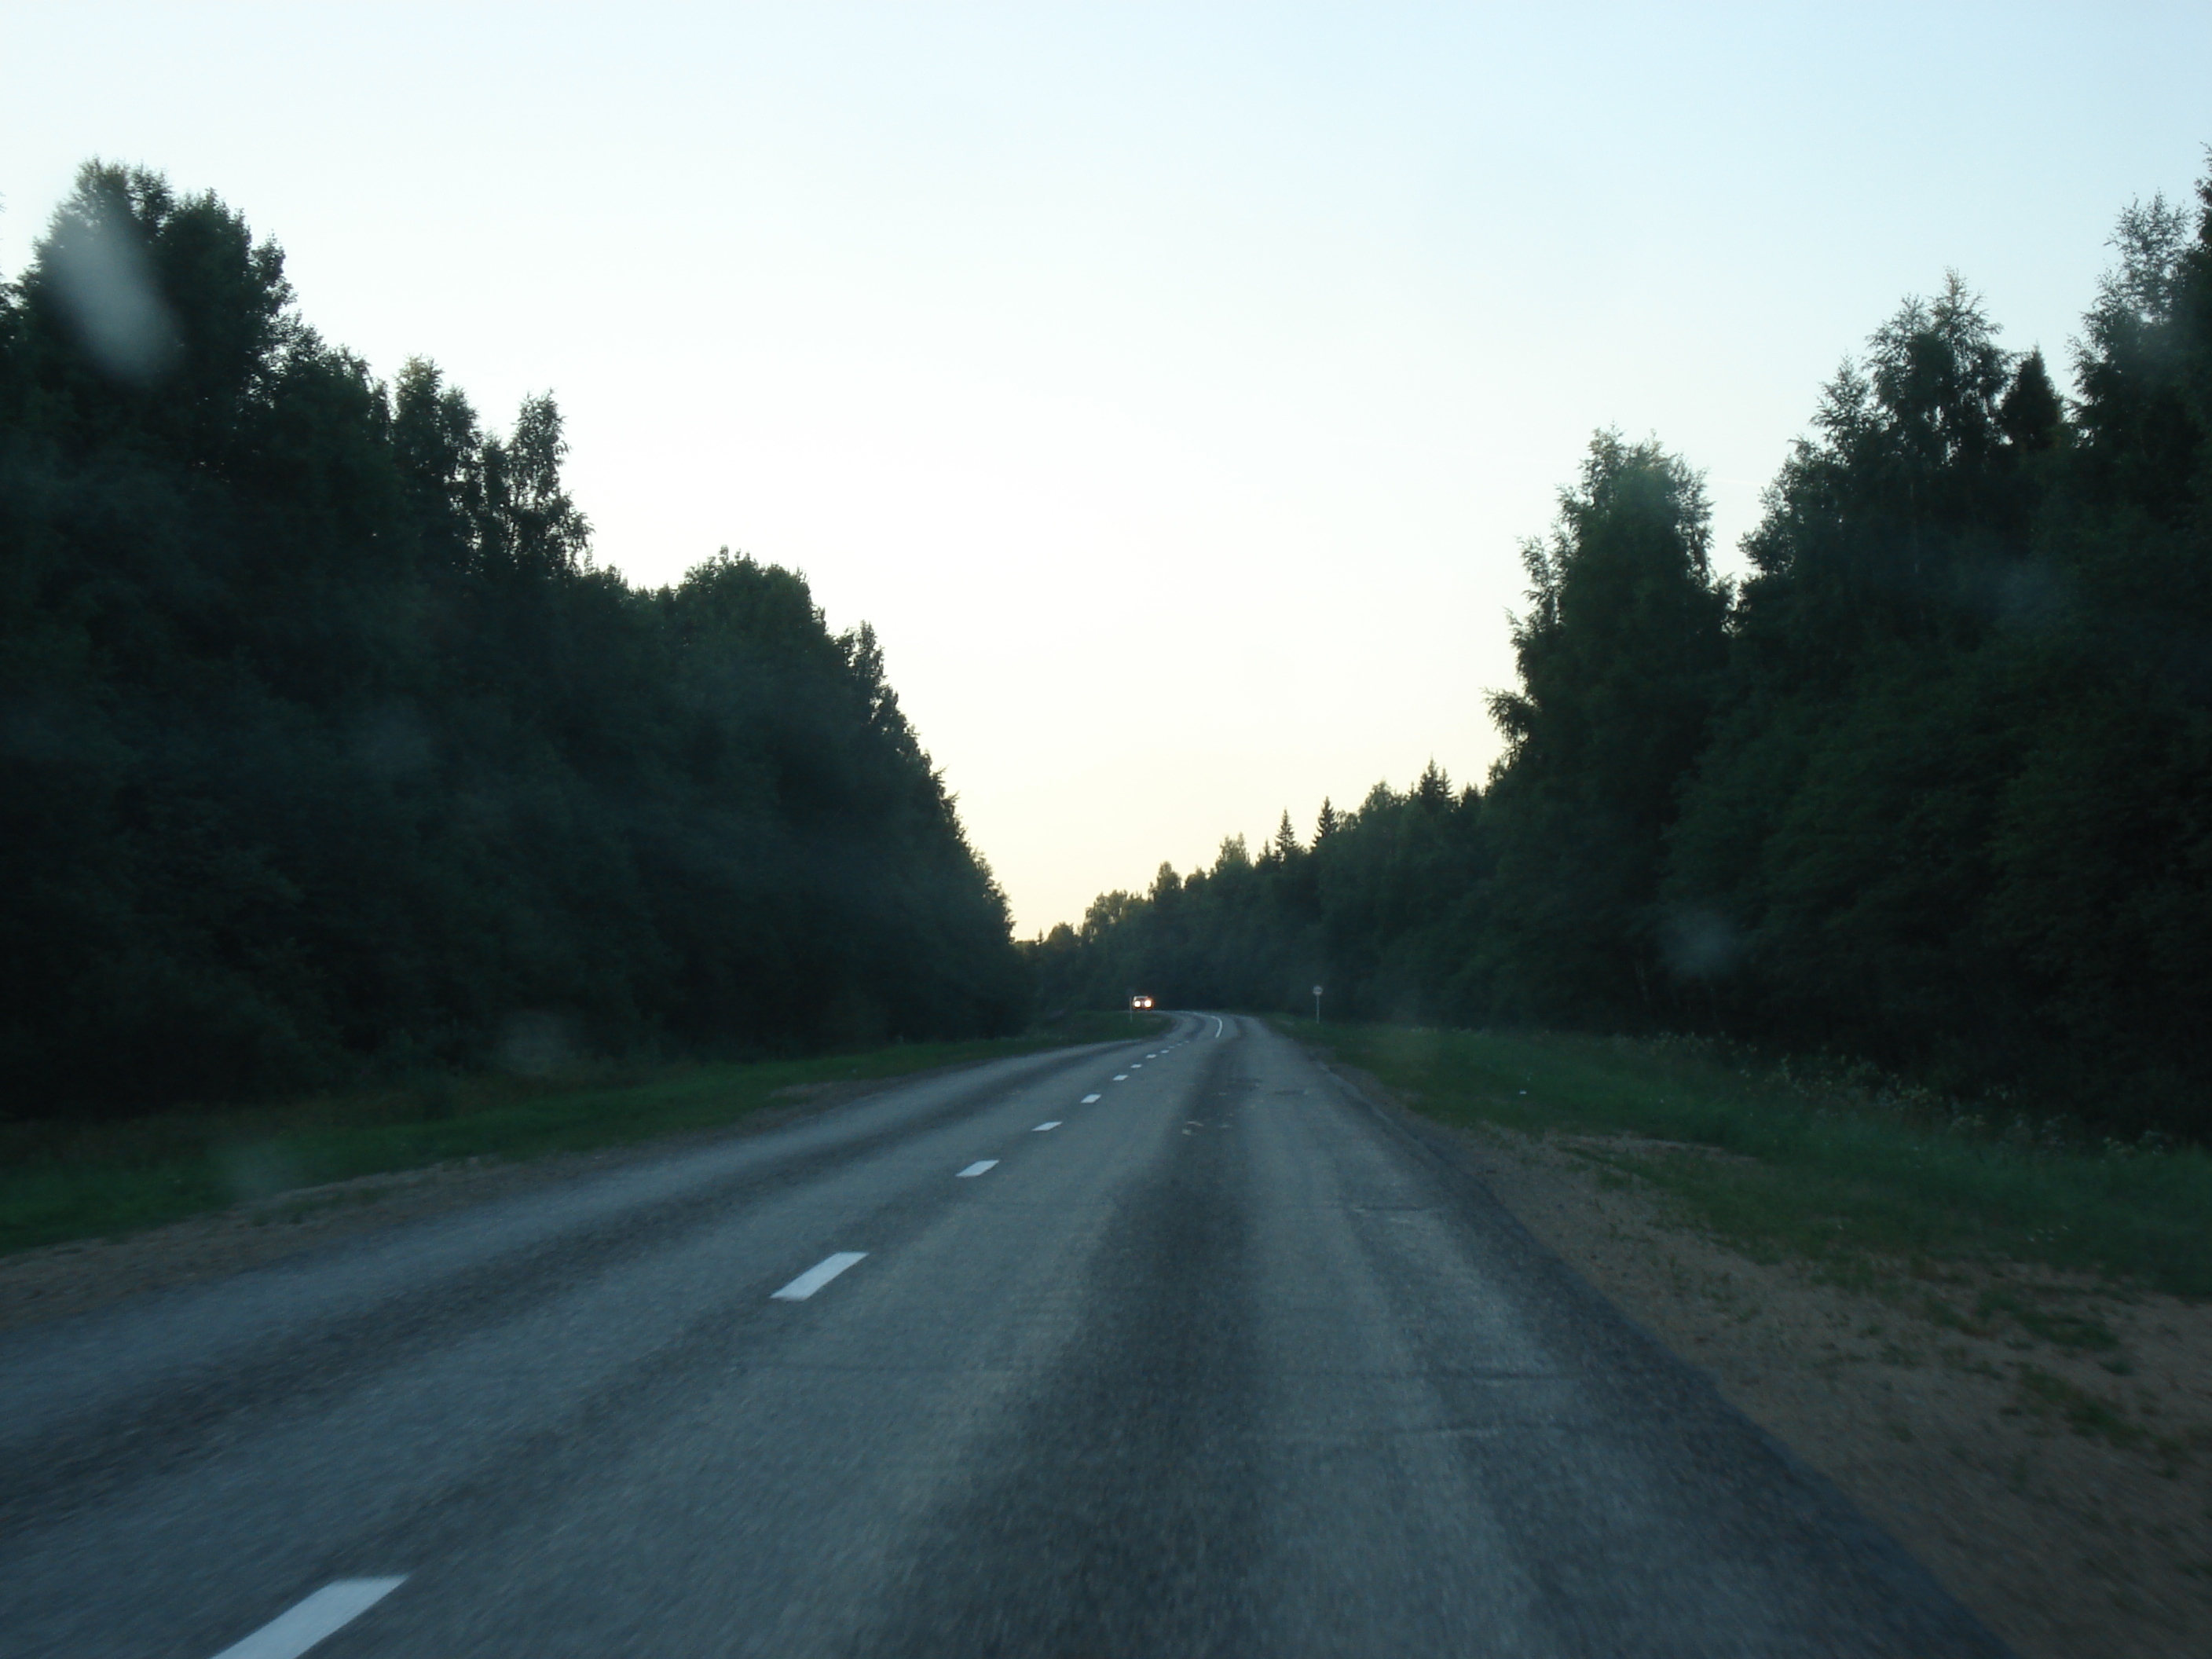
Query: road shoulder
pixel 2060 1492
pixel 55 1281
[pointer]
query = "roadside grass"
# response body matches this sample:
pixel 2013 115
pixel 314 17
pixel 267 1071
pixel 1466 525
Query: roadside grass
pixel 1838 1171
pixel 62 1180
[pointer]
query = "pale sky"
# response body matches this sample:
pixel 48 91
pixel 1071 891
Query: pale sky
pixel 1171 387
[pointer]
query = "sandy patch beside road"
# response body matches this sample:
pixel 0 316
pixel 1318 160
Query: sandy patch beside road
pixel 2062 1490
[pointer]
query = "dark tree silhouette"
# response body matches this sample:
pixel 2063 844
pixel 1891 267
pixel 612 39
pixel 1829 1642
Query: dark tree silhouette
pixel 1935 786
pixel 325 750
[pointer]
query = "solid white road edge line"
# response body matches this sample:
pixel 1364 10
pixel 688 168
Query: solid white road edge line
pixel 979 1167
pixel 1090 1100
pixel 818 1275
pixel 1041 1127
pixel 328 1610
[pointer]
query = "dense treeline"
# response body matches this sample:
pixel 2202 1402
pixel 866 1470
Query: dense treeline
pixel 1932 785
pixel 325 749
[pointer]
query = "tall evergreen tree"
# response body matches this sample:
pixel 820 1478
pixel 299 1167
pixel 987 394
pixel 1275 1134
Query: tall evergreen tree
pixel 1620 656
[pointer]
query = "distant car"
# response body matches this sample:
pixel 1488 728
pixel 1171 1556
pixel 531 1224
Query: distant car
pixel 1140 1002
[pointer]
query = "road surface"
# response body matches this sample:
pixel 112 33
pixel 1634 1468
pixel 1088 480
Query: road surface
pixel 1172 1348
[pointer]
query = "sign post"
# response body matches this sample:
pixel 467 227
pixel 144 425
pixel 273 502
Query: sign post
pixel 1316 1004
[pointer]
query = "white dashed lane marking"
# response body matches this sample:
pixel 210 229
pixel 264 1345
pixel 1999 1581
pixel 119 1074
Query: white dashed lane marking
pixel 330 1609
pixel 1091 1099
pixel 817 1275
pixel 1120 1077
pixel 979 1166
pixel 1041 1127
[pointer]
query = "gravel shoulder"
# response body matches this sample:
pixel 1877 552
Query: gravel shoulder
pixel 2042 1442
pixel 57 1280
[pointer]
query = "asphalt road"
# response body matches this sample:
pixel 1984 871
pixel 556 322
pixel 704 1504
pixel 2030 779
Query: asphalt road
pixel 1224 1361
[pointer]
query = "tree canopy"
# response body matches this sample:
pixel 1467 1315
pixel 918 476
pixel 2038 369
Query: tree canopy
pixel 1932 785
pixel 326 749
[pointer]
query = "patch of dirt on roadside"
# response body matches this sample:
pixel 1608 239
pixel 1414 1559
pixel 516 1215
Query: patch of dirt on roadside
pixel 55 1280
pixel 2041 1442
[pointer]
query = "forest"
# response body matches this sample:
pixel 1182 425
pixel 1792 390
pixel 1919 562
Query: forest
pixel 1928 788
pixel 328 752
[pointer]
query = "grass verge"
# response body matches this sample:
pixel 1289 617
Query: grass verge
pixel 64 1180
pixel 1823 1170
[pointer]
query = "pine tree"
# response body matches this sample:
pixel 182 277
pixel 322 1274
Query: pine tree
pixel 2030 415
